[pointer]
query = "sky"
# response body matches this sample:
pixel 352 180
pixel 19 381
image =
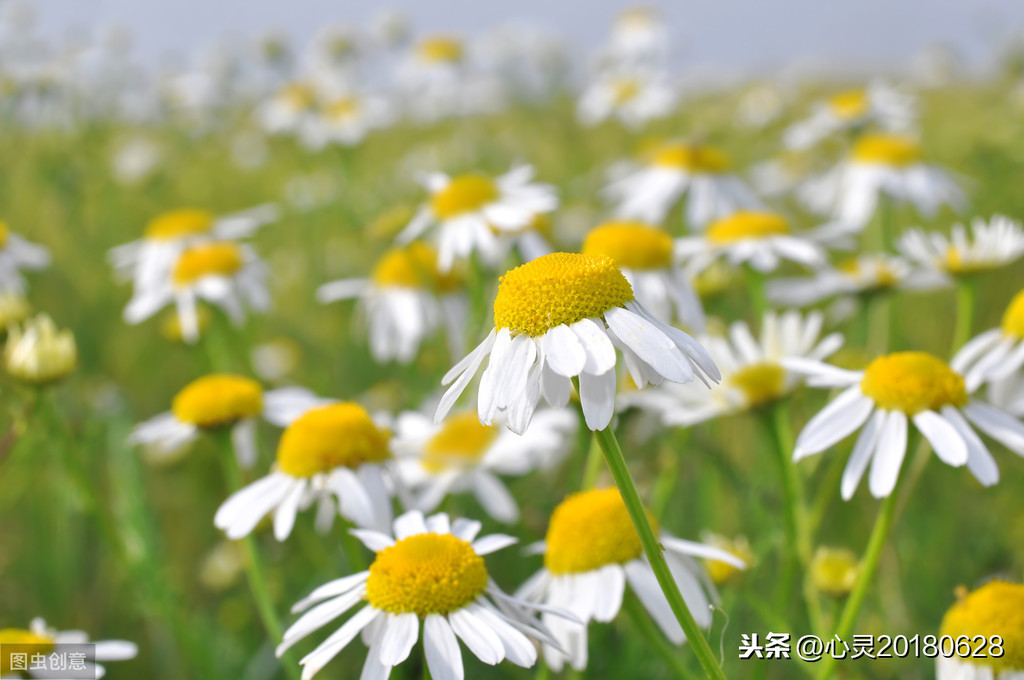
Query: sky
pixel 727 35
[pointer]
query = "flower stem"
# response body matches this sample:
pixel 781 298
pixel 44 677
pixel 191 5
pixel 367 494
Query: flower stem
pixel 965 289
pixel 649 632
pixel 755 286
pixel 592 467
pixel 652 548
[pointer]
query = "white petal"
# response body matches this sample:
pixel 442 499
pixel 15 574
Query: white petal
pixel 331 589
pixel 444 658
pixel 650 344
pixel 947 443
pixel 597 397
pixel 400 634
pixel 495 497
pixel 374 540
pixel 979 461
pixel 410 524
pixel 314 662
pixel 563 351
pixel 480 639
pixel 833 423
pixel 892 447
pixel 493 543
pixel 608 598
pixel 600 351
pixel 861 455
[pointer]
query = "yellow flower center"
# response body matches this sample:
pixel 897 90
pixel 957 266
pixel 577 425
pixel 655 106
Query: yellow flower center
pixel 209 259
pixel 426 574
pixel 849 104
pixel 218 399
pixel 885 277
pixel 414 266
pixel 624 89
pixel 461 440
pixel 691 157
pixel 29 643
pixel 440 50
pixel 342 109
pixel 892 150
pixel 331 436
pixel 834 570
pixel 633 245
pixel 298 96
pixel 179 224
pixel 996 608
pixel 912 382
pixel 1013 319
pixel 5 234
pixel 723 572
pixel 589 530
pixel 463 194
pixel 760 383
pixel 170 324
pixel 560 288
pixel 744 224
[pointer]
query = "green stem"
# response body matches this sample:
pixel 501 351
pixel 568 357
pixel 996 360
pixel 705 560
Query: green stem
pixel 592 467
pixel 652 548
pixel 650 633
pixel 965 289
pixel 879 324
pixel 755 286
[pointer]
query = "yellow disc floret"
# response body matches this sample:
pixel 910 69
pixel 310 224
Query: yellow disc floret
pixel 426 574
pixel 891 150
pixel 691 157
pixel 209 259
pixel 996 608
pixel 342 108
pixel 859 268
pixel 297 96
pixel 760 383
pixel 440 50
pixel 560 288
pixel 5 234
pixel 746 224
pixel 218 399
pixel 589 530
pixel 834 570
pixel 414 266
pixel 624 90
pixel 331 436
pixel 849 105
pixel 634 245
pixel 179 224
pixel 462 440
pixel 28 643
pixel 912 382
pixel 1013 318
pixel 463 194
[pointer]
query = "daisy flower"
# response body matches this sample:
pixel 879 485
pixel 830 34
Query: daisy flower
pixel 333 454
pixel 865 274
pixel 345 121
pixel 460 455
pixel 149 259
pixel 982 247
pixel 881 399
pixel 758 239
pixel 753 375
pixel 591 551
pixel 991 610
pixel 471 211
pixel 997 353
pixel 670 171
pixel 288 109
pixel 39 353
pixel 17 254
pixel 405 300
pixel 41 639
pixel 430 571
pixel 644 255
pixel 217 401
pixel 634 98
pixel 224 273
pixel 877 104
pixel 639 36
pixel 560 317
pixel 880 164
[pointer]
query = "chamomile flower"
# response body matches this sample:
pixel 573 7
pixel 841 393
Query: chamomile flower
pixel 854 109
pixel 669 172
pixel 345 120
pixel 333 454
pixel 993 610
pixel 39 353
pixel 217 401
pixel 752 372
pixel 591 551
pixel 758 239
pixel 224 273
pixel 461 455
pixel 881 401
pixel 632 97
pixel 865 274
pixel 288 109
pixel 880 164
pixel 17 254
pixel 429 572
pixel 997 353
pixel 645 256
pixel 560 317
pixel 405 300
pixel 639 36
pixel 149 259
pixel 41 639
pixel 472 211
pixel 966 251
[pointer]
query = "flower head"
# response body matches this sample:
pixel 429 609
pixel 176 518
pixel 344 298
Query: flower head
pixel 38 352
pixel 994 609
pixel 966 251
pixel 39 638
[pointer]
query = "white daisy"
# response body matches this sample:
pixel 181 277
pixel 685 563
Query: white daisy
pixel 345 121
pixel 591 552
pixel 431 572
pixel 215 401
pixel 672 170
pixel 991 610
pixel 892 390
pixel 645 256
pixel 982 247
pixel 562 316
pixel 460 455
pixel 224 273
pixel 877 104
pixel 333 454
pixel 633 97
pixel 437 80
pixel 997 353
pixel 639 36
pixel 405 300
pixel 752 371
pixel 17 254
pixel 865 274
pixel 879 165
pixel 288 109
pixel 41 639
pixel 472 211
